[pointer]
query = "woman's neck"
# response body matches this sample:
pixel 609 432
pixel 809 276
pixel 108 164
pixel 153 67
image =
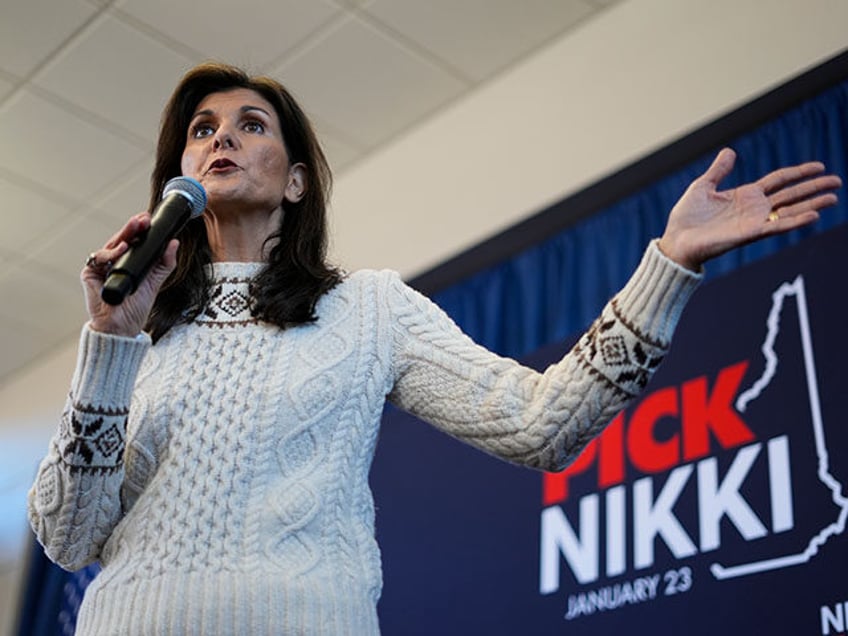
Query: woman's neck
pixel 240 237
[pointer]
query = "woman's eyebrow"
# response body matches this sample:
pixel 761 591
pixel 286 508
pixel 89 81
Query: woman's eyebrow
pixel 244 109
pixel 248 108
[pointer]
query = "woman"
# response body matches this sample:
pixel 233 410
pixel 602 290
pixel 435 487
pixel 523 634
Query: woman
pixel 221 475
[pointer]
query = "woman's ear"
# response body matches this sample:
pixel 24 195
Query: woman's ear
pixel 297 183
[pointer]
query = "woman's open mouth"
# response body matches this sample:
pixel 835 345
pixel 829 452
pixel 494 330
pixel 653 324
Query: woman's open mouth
pixel 221 165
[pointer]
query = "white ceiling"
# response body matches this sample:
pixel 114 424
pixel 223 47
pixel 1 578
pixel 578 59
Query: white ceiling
pixel 82 83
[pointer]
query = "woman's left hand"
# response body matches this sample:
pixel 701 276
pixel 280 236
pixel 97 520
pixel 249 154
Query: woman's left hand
pixel 706 223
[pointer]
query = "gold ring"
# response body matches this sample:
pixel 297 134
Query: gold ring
pixel 773 216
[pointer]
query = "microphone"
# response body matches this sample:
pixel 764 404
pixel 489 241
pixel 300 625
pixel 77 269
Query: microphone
pixel 182 199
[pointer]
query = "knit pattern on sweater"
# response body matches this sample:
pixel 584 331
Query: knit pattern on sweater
pixel 235 498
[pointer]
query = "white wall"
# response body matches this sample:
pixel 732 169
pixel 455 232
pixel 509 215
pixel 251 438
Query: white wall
pixel 641 75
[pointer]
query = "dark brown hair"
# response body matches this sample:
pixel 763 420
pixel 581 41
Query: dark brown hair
pixel 287 289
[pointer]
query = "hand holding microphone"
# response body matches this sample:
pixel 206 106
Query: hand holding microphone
pixel 182 199
pixel 144 245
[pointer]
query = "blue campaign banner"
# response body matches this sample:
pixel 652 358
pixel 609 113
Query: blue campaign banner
pixel 717 503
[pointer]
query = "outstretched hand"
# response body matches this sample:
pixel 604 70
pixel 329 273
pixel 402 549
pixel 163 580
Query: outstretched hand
pixel 706 223
pixel 128 318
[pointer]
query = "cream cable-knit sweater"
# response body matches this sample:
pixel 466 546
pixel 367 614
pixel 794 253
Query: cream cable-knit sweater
pixel 221 476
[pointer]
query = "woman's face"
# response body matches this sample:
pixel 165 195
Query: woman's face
pixel 234 147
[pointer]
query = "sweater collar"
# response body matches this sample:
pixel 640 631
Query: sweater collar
pixel 229 298
pixel 229 270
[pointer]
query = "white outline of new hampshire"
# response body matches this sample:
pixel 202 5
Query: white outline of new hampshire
pixel 795 288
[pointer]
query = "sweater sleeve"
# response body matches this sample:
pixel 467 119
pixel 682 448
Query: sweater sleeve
pixel 540 420
pixel 74 503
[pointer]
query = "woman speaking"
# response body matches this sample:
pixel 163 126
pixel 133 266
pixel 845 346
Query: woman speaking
pixel 214 450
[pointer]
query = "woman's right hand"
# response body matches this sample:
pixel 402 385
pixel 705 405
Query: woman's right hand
pixel 128 318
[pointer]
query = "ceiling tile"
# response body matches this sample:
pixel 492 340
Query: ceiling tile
pixel 365 85
pixel 128 196
pixel 340 153
pixel 27 216
pixel 6 87
pixel 68 246
pixel 479 37
pixel 44 143
pixel 53 305
pixel 21 344
pixel 32 29
pixel 129 86
pixel 250 33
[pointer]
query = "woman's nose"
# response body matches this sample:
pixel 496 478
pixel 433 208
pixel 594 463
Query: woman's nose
pixel 224 138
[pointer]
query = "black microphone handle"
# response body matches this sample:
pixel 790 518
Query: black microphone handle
pixel 131 268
